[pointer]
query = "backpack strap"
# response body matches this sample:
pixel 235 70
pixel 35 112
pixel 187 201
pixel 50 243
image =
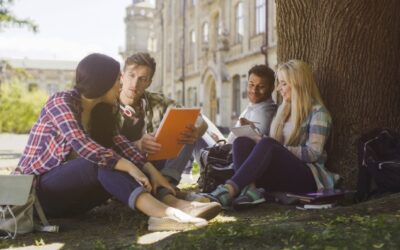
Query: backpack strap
pixel 45 225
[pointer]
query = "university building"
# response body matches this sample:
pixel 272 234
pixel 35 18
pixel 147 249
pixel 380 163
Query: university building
pixel 204 49
pixel 50 76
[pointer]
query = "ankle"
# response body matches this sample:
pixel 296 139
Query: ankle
pixel 231 189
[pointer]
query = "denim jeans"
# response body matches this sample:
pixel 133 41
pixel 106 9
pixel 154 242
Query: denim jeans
pixel 270 165
pixel 174 168
pixel 79 185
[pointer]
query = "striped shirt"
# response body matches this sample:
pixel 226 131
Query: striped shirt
pixel 314 134
pixel 58 132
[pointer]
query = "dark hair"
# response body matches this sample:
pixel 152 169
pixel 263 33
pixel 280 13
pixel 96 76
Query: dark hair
pixel 96 74
pixel 103 124
pixel 265 72
pixel 142 58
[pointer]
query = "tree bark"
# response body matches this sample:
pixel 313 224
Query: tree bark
pixel 354 49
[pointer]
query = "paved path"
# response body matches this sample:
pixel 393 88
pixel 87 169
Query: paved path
pixel 11 147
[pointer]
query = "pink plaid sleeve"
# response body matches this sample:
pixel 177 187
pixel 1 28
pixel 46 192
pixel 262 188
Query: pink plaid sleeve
pixel 130 151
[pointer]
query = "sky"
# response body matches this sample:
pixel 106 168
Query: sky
pixel 68 29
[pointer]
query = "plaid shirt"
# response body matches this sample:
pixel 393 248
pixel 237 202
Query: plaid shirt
pixel 314 134
pixel 155 105
pixel 58 132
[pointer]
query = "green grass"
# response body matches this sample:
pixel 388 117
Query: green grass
pixel 195 168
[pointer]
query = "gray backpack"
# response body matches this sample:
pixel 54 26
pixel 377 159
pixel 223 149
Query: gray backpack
pixel 17 203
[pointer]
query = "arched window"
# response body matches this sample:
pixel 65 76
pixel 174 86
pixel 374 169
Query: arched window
pixel 260 16
pixel 239 17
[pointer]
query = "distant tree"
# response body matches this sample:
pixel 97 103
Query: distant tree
pixel 354 49
pixel 8 19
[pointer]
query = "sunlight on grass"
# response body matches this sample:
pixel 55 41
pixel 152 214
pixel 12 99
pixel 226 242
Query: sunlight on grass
pixel 153 237
pixel 52 246
pixel 224 219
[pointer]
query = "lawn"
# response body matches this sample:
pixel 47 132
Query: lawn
pixel 371 225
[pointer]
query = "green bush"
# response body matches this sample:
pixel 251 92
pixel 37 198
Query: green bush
pixel 19 109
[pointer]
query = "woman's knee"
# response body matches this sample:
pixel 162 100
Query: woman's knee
pixel 243 142
pixel 268 141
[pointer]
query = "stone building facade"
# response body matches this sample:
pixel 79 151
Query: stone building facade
pixel 47 75
pixel 204 49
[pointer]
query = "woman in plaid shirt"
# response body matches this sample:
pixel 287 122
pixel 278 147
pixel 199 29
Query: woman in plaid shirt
pixel 290 160
pixel 71 151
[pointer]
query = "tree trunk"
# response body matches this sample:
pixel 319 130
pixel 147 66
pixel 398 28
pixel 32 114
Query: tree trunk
pixel 354 49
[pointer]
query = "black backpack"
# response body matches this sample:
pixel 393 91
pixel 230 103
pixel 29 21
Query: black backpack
pixel 379 163
pixel 215 166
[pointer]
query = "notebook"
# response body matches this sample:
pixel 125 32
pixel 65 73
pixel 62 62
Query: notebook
pixel 329 195
pixel 174 122
pixel 247 131
pixel 14 189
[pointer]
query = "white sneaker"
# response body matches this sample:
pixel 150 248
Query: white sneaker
pixel 176 220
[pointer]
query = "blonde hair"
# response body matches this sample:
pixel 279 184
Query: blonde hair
pixel 304 94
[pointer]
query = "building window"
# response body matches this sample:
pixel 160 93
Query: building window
pixel 218 24
pixel 239 29
pixel 152 44
pixel 178 96
pixel 205 32
pixel 236 96
pixel 178 53
pixel 169 57
pixel 192 46
pixel 260 16
pixel 169 16
pixel 192 97
pixel 33 87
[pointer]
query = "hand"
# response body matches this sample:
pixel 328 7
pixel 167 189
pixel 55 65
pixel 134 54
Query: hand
pixel 214 136
pixel 157 179
pixel 244 121
pixel 148 144
pixel 189 136
pixel 141 178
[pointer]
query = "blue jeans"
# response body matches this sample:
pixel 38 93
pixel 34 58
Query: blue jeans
pixel 270 165
pixel 79 185
pixel 174 168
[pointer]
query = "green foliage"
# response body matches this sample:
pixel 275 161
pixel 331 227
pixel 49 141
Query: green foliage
pixel 195 168
pixel 7 18
pixel 19 109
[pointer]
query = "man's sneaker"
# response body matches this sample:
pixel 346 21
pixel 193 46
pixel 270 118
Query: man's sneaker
pixel 203 210
pixel 221 195
pixel 175 221
pixel 249 197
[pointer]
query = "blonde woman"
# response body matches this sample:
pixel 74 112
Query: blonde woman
pixel 290 160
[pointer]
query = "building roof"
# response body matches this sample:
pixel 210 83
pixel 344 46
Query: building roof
pixel 42 64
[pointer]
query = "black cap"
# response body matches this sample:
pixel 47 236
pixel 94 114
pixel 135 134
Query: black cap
pixel 96 74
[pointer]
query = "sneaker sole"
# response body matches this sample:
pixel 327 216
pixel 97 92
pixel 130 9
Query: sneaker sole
pixel 209 212
pixel 166 224
pixel 215 200
pixel 244 205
